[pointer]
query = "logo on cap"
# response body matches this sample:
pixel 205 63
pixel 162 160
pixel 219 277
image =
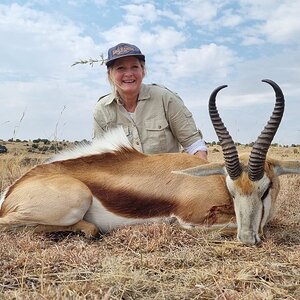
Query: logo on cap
pixel 122 50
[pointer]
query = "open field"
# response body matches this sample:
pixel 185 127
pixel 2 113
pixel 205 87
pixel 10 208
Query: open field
pixel 153 261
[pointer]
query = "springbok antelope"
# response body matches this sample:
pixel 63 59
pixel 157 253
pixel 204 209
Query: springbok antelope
pixel 109 184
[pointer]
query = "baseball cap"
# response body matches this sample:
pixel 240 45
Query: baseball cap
pixel 122 50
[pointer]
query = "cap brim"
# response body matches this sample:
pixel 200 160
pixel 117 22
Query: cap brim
pixel 109 62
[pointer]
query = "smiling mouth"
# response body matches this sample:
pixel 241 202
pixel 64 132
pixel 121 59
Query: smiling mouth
pixel 128 81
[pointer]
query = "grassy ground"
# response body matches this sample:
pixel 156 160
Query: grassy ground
pixel 154 261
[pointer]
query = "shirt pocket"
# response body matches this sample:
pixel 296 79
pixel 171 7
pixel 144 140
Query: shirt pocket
pixel 188 117
pixel 156 136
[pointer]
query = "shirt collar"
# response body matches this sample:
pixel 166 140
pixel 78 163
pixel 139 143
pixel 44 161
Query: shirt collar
pixel 143 95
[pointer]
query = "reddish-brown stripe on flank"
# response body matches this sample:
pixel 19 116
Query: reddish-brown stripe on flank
pixel 131 205
pixel 244 184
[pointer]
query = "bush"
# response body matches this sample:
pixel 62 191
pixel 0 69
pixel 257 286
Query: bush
pixel 43 148
pixel 3 149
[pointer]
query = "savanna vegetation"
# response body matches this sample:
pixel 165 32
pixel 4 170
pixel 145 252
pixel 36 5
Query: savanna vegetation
pixel 151 261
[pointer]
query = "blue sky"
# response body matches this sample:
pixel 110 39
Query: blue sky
pixel 191 47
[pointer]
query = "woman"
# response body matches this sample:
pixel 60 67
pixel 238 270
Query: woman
pixel 154 118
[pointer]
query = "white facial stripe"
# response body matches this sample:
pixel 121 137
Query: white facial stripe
pixel 251 211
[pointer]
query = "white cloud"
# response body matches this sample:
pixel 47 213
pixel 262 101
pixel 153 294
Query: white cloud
pixel 121 33
pixel 205 62
pixel 36 75
pixel 230 18
pixel 163 38
pixel 275 21
pixel 190 46
pixel 283 26
pixel 178 19
pixel 151 41
pixel 42 102
pixel 199 12
pixel 38 45
pixel 138 14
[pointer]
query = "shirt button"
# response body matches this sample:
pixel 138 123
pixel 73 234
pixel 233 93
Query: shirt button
pixel 159 127
pixel 137 143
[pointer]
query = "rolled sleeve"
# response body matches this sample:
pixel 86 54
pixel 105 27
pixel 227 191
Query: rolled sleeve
pixel 197 146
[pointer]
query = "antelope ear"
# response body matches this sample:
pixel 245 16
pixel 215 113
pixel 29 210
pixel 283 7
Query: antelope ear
pixel 204 170
pixel 282 167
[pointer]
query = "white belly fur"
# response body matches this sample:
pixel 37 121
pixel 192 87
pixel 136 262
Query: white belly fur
pixel 107 221
pixel 2 196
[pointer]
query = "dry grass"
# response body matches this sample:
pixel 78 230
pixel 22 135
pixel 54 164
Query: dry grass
pixel 154 261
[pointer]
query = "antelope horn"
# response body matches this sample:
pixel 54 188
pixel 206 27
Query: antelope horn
pixel 260 148
pixel 230 153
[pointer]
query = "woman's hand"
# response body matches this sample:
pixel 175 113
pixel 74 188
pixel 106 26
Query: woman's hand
pixel 201 154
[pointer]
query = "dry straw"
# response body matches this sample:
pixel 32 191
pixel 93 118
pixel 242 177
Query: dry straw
pixel 154 261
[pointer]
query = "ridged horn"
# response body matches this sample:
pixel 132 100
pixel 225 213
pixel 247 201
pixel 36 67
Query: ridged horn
pixel 230 153
pixel 261 146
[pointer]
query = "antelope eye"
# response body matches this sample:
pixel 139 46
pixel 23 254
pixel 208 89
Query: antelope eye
pixel 264 196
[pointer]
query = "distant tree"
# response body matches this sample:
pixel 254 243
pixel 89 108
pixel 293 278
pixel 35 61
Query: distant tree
pixel 55 148
pixel 44 148
pixel 45 141
pixel 84 141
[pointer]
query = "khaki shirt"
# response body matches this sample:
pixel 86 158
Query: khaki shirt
pixel 160 123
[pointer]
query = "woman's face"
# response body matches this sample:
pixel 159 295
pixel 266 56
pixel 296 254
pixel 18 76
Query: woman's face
pixel 127 74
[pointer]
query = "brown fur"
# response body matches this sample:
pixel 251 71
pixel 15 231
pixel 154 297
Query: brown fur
pixel 244 184
pixel 57 196
pixel 134 185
